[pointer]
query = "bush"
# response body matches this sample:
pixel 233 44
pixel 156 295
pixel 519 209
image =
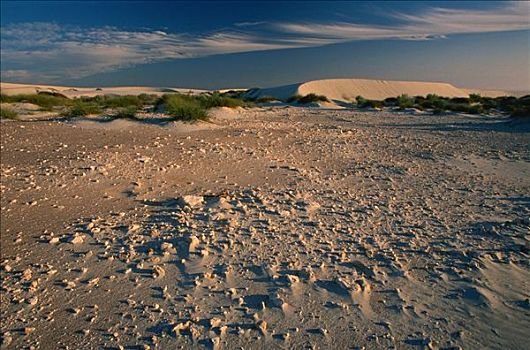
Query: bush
pixel 184 107
pixel 216 100
pixel 8 113
pixel 293 98
pixel 404 101
pixel 265 99
pixel 45 101
pixel 312 98
pixel 364 103
pixel 126 113
pixel 81 108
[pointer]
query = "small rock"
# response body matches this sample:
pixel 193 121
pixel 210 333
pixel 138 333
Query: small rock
pixel 190 201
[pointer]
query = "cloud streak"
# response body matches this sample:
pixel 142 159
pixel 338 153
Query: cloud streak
pixel 52 52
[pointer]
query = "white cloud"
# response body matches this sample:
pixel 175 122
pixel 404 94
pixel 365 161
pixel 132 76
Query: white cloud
pixel 50 51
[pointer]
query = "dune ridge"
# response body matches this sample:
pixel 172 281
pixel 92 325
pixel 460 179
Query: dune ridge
pixel 347 89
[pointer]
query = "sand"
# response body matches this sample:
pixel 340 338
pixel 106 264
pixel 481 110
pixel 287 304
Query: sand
pixel 346 90
pixel 71 92
pixel 281 227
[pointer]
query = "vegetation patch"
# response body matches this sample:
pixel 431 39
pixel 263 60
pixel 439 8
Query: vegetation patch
pixel 126 113
pixel 45 101
pixel 365 103
pixel 8 113
pixel 307 99
pixel 81 109
pixel 183 107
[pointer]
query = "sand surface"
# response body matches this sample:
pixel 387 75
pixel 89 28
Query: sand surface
pixel 14 89
pixel 279 228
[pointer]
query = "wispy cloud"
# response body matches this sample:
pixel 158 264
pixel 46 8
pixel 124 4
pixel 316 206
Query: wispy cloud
pixel 49 51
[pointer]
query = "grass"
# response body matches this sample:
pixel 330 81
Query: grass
pixel 365 103
pixel 184 107
pixel 474 104
pixel 309 98
pixel 45 101
pixel 217 100
pixel 81 108
pixel 128 112
pixel 265 99
pixel 8 113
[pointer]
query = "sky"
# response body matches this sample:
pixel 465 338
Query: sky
pixel 479 44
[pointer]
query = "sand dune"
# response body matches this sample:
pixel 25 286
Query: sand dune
pixel 347 89
pixel 14 89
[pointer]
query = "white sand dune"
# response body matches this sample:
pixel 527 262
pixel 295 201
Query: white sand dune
pixel 14 89
pixel 347 89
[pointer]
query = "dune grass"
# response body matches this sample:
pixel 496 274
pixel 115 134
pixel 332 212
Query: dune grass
pixel 474 104
pixel 183 107
pixel 128 112
pixel 365 103
pixel 266 99
pixel 307 98
pixel 81 108
pixel 8 113
pixel 45 101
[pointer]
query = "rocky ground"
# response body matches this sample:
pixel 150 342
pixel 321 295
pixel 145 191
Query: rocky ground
pixel 273 228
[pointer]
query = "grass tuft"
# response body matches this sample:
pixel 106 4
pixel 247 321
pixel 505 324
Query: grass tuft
pixel 307 99
pixel 183 107
pixel 8 113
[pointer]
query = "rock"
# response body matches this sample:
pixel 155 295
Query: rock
pixel 179 327
pixel 158 272
pixel 77 239
pixel 53 240
pixel 193 242
pixel 262 326
pixel 167 247
pixel 27 274
pixel 190 201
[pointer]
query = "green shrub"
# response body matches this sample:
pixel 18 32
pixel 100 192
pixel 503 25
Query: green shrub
pixel 126 113
pixel 475 98
pixel 364 103
pixel 293 98
pixel 8 113
pixel 184 107
pixel 81 108
pixel 405 101
pixel 216 100
pixel 312 98
pixel 45 101
pixel 265 99
pixel 390 101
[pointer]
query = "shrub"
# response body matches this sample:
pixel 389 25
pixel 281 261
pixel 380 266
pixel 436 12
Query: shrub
pixel 475 98
pixel 312 98
pixel 126 113
pixel 404 101
pixel 8 113
pixel 184 107
pixel 81 108
pixel 364 103
pixel 46 102
pixel 390 101
pixel 265 99
pixel 293 99
pixel 216 100
pixel 521 112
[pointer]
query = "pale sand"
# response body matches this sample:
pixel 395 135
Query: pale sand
pixel 346 90
pixel 280 228
pixel 14 89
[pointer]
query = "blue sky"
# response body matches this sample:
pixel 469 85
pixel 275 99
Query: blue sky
pixel 244 44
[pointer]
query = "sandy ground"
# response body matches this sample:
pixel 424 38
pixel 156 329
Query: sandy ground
pixel 279 228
